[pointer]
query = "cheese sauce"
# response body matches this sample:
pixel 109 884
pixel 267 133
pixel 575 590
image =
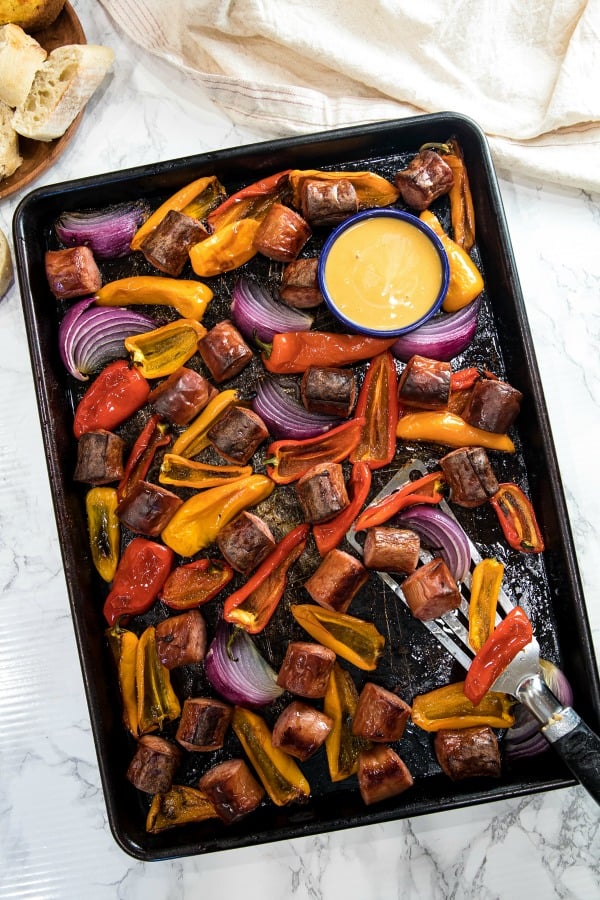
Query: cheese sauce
pixel 383 273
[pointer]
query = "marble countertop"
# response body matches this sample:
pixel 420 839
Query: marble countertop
pixel 55 841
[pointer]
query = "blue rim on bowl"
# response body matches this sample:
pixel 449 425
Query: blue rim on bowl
pixel 393 214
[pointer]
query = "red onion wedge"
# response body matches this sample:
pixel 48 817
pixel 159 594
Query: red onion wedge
pixel 237 671
pixel 91 336
pixel 107 232
pixel 257 314
pixel 525 738
pixel 443 337
pixel 286 417
pixel 441 534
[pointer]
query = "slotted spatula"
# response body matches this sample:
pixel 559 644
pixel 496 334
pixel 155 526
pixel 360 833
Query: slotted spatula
pixel 576 744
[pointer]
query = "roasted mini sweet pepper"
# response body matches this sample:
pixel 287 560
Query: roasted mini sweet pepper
pixel 112 397
pixel 182 805
pixel 252 202
pixel 371 189
pixel 512 634
pixel 447 707
pixel 198 521
pixel 104 530
pixel 163 350
pixel 378 404
pixel 429 489
pixel 288 459
pixel 329 535
pixel 341 746
pixel 193 439
pixel 466 281
pixel 280 775
pixel 355 640
pixel 193 584
pixel 252 606
pixel 142 571
pixel 152 436
pixel 517 519
pixel 292 352
pixel 228 248
pixel 156 699
pixel 189 297
pixel 485 589
pixel 184 472
pixel 461 200
pixel 196 200
pixel 444 427
pixel 124 644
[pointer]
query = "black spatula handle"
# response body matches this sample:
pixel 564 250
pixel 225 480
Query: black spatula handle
pixel 578 747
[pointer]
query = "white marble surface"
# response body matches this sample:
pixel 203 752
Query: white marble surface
pixel 54 838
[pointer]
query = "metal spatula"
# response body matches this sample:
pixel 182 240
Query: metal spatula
pixel 576 744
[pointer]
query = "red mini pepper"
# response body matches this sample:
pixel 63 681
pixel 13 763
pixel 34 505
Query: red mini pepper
pixel 142 571
pixel 152 436
pixel 116 394
pixel 328 535
pixel 288 460
pixel 505 641
pixel 428 489
pixel 195 583
pixel 464 379
pixel 252 202
pixel 378 403
pixel 252 606
pixel 293 352
pixel 517 519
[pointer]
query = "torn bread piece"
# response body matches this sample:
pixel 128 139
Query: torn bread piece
pixel 20 58
pixel 10 159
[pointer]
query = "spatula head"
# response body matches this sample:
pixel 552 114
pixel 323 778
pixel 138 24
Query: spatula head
pixel 525 664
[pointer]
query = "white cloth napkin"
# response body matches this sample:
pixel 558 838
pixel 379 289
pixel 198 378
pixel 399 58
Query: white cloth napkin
pixel 525 70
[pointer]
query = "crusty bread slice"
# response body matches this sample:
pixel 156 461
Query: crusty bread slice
pixel 10 160
pixel 61 88
pixel 6 266
pixel 20 58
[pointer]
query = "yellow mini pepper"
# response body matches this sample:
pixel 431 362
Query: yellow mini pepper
pixel 193 440
pixel 466 282
pixel 371 189
pixel 485 589
pixel 104 530
pixel 229 247
pixel 156 699
pixel 341 746
pixel 355 640
pixel 447 707
pixel 190 298
pixel 444 427
pixel 124 645
pixel 179 806
pixel 163 350
pixel 184 472
pixel 196 199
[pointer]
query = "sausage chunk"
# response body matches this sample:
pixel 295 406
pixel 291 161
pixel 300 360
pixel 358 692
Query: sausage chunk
pixel 328 202
pixel 300 730
pixel 337 580
pixel 425 383
pixel 167 246
pixel 322 492
pixel 493 405
pixel 232 789
pixel 468 752
pixel 390 549
pixel 99 457
pixel 246 542
pixel 181 396
pixel 300 284
pixel 237 434
pixel 469 475
pixel 181 640
pixel 305 669
pixel 154 764
pixel 72 272
pixel 380 715
pixel 203 724
pixel 224 351
pixel 148 508
pixel 381 774
pixel 431 591
pixel 282 234
pixel 325 389
pixel 426 177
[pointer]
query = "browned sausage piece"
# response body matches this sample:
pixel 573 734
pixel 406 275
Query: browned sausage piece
pixel 224 351
pixel 300 730
pixel 237 434
pixel 390 549
pixel 380 715
pixel 469 475
pixel 300 285
pixel 322 492
pixel 246 542
pixel 181 396
pixel 282 234
pixel 99 457
pixel 167 246
pixel 337 580
pixel 328 202
pixel 381 774
pixel 492 405
pixel 431 591
pixel 203 724
pixel 426 177
pixel 148 508
pixel 72 272
pixel 233 789
pixel 305 669
pixel 328 390
pixel 468 752
pixel 425 383
pixel 181 640
pixel 154 764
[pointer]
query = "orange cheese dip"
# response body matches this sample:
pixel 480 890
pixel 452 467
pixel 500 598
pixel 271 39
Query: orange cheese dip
pixel 383 273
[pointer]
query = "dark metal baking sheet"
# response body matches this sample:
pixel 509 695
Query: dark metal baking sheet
pixel 548 586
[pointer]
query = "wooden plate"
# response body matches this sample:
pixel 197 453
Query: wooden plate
pixel 40 155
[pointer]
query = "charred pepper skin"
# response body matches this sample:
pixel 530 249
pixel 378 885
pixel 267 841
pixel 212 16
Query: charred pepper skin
pixel 141 573
pixel 517 519
pixel 116 394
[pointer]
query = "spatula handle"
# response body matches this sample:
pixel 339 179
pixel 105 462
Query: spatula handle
pixel 578 747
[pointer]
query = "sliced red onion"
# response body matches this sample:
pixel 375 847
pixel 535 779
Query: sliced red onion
pixel 91 336
pixel 257 314
pixel 107 232
pixel 237 671
pixel 442 534
pixel 442 338
pixel 286 417
pixel 525 738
